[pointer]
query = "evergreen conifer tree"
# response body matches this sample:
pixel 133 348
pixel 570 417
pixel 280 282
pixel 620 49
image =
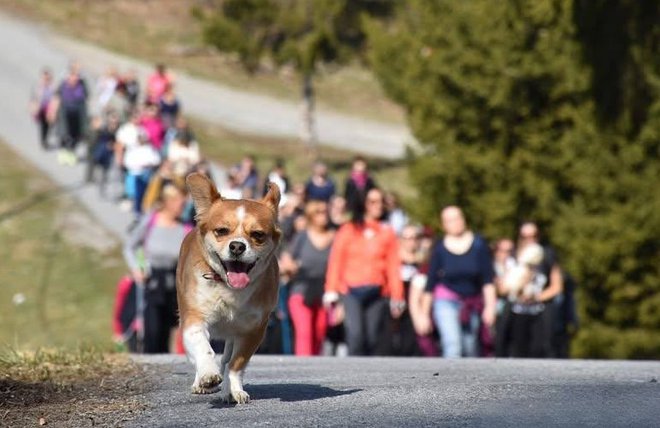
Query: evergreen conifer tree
pixel 546 110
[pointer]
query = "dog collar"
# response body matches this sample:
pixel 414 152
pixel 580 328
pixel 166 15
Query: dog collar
pixel 212 276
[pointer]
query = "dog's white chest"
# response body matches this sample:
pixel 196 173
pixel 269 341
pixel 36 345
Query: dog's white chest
pixel 226 311
pixel 212 298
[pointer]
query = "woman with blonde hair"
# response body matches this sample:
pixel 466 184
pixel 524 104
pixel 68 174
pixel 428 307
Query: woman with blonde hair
pixel 305 260
pixel 158 236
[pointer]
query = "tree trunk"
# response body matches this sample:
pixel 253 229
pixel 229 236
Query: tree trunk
pixel 308 129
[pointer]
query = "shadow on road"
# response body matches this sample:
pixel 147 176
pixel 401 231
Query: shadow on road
pixel 288 392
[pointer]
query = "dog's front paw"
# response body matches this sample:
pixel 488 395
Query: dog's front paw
pixel 196 389
pixel 207 384
pixel 239 397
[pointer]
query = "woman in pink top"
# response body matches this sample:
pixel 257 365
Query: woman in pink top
pixel 158 83
pixel 153 125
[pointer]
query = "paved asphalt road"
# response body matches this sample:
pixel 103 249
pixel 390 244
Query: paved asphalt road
pixel 392 392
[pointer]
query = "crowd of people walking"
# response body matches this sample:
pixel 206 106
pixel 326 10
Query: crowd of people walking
pixel 393 288
pixel 358 276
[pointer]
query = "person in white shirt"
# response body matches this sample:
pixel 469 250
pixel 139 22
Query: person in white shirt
pixel 232 188
pixel 279 177
pixel 183 153
pixel 105 89
pixel 396 217
pixel 140 161
pixel 127 137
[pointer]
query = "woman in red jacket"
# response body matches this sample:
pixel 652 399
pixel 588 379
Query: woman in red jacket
pixel 364 271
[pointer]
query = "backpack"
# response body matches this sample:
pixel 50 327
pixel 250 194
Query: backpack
pixel 125 308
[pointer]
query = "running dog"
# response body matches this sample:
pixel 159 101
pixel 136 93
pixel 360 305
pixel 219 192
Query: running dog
pixel 227 284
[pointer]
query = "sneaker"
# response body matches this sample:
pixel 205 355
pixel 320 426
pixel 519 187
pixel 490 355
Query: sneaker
pixel 61 156
pixel 71 158
pixel 125 205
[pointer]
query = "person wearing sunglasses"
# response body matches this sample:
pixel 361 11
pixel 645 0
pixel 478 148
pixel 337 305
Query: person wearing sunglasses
pixel 532 316
pixel 364 274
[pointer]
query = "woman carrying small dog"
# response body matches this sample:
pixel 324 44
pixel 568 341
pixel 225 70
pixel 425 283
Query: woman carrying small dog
pixel 532 307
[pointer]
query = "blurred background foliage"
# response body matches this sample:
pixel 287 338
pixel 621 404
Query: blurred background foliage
pixel 302 34
pixel 293 32
pixel 546 110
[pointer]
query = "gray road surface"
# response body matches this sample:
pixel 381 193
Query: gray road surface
pixel 390 392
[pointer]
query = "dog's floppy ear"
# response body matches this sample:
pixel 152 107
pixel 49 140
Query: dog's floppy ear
pixel 272 198
pixel 203 192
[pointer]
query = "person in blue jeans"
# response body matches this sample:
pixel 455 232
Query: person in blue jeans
pixel 459 290
pixel 140 161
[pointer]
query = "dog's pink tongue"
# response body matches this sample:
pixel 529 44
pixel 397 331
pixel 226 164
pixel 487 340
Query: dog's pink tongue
pixel 238 279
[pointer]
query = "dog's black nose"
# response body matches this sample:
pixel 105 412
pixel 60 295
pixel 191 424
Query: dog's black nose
pixel 236 248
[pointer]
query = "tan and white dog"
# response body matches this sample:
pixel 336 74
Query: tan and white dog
pixel 227 284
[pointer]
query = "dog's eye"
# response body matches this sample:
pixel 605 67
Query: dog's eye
pixel 221 231
pixel 258 235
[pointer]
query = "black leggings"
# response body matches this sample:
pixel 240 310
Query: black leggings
pixel 404 340
pixel 44 127
pixel 365 324
pixel 531 335
pixel 160 311
pixel 73 125
pixel 503 332
pixel 160 317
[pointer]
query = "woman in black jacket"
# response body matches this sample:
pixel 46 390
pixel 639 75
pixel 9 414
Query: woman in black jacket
pixel 358 184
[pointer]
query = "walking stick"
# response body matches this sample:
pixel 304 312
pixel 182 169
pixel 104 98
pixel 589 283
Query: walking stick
pixel 139 317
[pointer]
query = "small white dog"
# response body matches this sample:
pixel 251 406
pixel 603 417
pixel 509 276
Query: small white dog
pixel 519 279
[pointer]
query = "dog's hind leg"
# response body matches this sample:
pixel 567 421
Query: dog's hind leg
pixel 226 356
pixel 243 349
pixel 200 353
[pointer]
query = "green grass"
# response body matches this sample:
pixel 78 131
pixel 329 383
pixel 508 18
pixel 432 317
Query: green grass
pixel 68 286
pixel 165 31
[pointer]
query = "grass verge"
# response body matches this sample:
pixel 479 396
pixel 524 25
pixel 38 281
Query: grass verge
pixel 165 31
pixel 59 268
pixel 85 387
